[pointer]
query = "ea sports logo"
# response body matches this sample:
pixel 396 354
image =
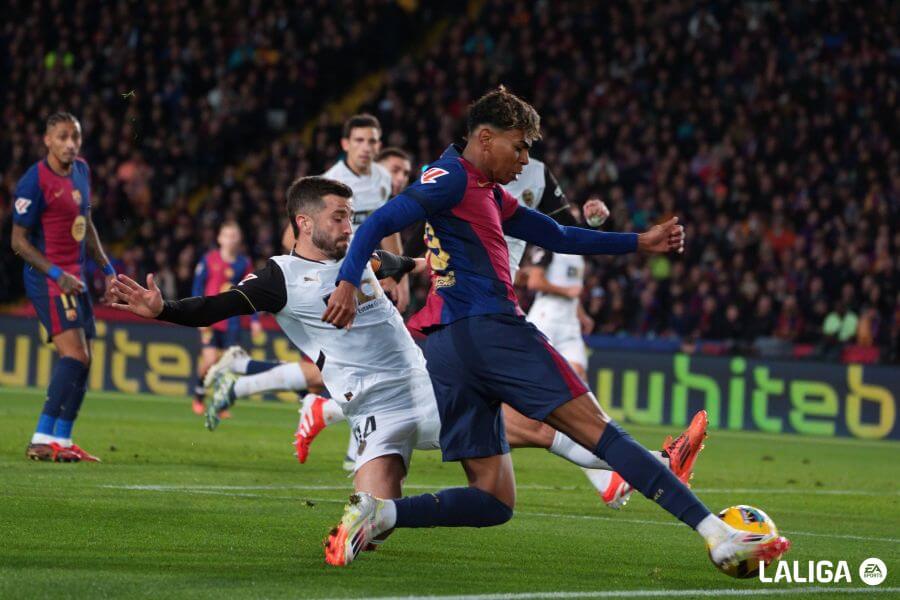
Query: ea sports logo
pixel 873 571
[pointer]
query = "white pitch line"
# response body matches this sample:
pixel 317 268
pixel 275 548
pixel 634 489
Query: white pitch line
pixel 701 593
pixel 348 487
pixel 236 492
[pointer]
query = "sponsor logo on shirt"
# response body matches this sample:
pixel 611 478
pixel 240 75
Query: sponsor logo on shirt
pixel 22 205
pixel 432 175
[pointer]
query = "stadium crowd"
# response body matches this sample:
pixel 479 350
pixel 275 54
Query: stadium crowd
pixel 771 129
pixel 170 94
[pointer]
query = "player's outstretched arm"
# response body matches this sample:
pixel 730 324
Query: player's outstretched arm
pixel 531 226
pixel 197 311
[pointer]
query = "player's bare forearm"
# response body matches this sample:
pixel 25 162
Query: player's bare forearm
pixel 94 247
pixel 27 251
pixel 393 244
pixel 537 282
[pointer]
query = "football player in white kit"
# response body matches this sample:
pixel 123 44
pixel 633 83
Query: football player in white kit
pixel 372 186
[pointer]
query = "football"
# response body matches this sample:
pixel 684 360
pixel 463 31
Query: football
pixel 754 521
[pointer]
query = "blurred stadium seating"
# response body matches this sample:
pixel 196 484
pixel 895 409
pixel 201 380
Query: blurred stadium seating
pixel 771 129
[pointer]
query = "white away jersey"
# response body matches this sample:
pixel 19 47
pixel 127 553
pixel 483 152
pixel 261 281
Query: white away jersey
pixel 377 352
pixel 535 188
pixel 370 192
pixel 563 270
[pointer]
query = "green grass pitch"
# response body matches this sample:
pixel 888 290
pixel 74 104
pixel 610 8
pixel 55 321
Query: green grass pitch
pixel 175 511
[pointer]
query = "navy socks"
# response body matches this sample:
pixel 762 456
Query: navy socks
pixel 453 507
pixel 260 366
pixel 645 473
pixel 64 397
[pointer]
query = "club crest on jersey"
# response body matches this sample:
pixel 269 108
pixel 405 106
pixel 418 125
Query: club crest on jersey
pixel 79 228
pixel 528 198
pixel 432 175
pixel 22 205
pixel 76 197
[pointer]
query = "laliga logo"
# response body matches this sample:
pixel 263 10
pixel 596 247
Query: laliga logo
pixel 872 571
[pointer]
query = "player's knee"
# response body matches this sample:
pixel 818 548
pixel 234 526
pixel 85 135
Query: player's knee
pixel 499 512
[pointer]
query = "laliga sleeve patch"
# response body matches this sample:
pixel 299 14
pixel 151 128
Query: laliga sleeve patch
pixel 22 204
pixel 432 175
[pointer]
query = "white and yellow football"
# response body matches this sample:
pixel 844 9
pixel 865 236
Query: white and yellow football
pixel 752 520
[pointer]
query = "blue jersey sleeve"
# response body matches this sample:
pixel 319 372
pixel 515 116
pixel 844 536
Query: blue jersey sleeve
pixel 29 200
pixel 440 187
pixel 539 229
pixel 200 274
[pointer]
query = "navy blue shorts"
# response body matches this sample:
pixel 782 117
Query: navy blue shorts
pixel 478 362
pixel 69 311
pixel 213 338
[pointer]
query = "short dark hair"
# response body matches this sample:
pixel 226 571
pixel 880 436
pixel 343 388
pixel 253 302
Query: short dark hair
pixel 361 120
pixel 307 194
pixel 59 117
pixel 393 151
pixel 504 110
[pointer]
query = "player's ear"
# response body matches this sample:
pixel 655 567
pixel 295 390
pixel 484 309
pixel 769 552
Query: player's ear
pixel 345 144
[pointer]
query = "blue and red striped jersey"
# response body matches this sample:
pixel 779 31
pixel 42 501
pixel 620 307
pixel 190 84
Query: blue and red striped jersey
pixel 464 236
pixel 55 210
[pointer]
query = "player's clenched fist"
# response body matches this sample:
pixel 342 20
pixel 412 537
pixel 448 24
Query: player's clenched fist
pixel 341 306
pixel 665 237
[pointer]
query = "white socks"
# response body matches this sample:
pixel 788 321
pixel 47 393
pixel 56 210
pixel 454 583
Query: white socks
pixel 43 438
pixel 239 365
pixel 387 516
pixel 288 376
pixel 599 478
pixel 332 413
pixel 572 451
pixel 713 529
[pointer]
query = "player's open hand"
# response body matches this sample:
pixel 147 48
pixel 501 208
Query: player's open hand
pixel 665 237
pixel 341 308
pixel 134 298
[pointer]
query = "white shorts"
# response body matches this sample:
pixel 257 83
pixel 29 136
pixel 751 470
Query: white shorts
pixel 384 432
pixel 565 336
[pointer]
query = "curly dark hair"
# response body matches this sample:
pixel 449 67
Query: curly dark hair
pixel 504 110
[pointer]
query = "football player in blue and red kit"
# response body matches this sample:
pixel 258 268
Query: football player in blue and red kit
pixel 53 233
pixel 218 271
pixel 481 351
